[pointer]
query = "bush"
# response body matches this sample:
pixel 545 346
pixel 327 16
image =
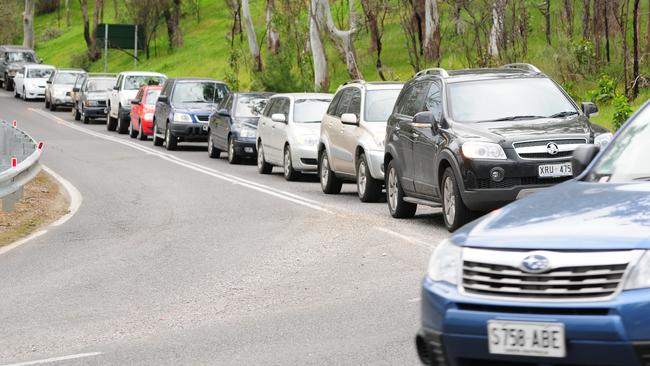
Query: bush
pixel 50 33
pixel 606 91
pixel 622 110
pixel 80 60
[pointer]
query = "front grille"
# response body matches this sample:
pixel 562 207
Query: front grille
pixel 486 183
pixel 537 150
pixel 203 118
pixel 560 283
pixel 533 310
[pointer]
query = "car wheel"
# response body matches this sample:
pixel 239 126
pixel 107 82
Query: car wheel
pixel 122 127
pixel 213 152
pixel 52 107
pixel 157 141
pixel 77 114
pixel 141 135
pixel 47 103
pixel 232 154
pixel 111 124
pixel 454 211
pixel 290 173
pixel 7 83
pixel 329 182
pixel 368 188
pixel 16 95
pixel 24 95
pixel 395 195
pixel 171 142
pixel 132 133
pixel 262 166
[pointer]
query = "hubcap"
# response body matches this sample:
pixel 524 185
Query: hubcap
pixel 392 188
pixel 361 178
pixel 324 170
pixel 260 156
pixel 287 162
pixel 210 144
pixel 231 150
pixel 449 201
pixel 168 135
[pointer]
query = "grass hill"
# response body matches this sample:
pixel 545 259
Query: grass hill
pixel 206 48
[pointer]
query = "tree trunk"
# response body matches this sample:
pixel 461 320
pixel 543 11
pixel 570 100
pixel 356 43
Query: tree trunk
pixel 458 5
pixel 252 37
pixel 647 33
pixel 67 13
pixel 586 4
pixel 173 20
pixel 343 39
pixel 371 14
pixel 28 24
pixel 273 37
pixel 496 34
pixel 321 78
pixel 635 67
pixel 431 32
pixel 567 17
pixel 623 22
pixel 116 9
pixel 547 21
pixel 89 35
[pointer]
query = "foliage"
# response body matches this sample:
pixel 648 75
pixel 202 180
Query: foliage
pixel 570 87
pixel 605 92
pixel 622 110
pixel 50 33
pixel 80 60
pixel 584 52
pixel 8 22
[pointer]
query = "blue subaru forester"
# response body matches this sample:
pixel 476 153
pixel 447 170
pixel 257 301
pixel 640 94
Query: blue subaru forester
pixel 561 277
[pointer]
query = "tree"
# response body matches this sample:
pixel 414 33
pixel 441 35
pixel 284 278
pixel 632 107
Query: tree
pixel 341 38
pixel 375 12
pixel 252 37
pixel 498 23
pixel 586 5
pixel 28 24
pixel 432 31
pixel 321 77
pixel 635 37
pixel 545 8
pixel 273 37
pixel 647 33
pixel 67 13
pixel 147 13
pixel 10 28
pixel 172 16
pixel 89 34
pixel 567 16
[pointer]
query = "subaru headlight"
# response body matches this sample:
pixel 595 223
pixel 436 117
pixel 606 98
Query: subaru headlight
pixel 483 150
pixel 307 139
pixel 148 116
pixel 246 132
pixel 182 117
pixel 639 276
pixel 445 262
pixel 603 139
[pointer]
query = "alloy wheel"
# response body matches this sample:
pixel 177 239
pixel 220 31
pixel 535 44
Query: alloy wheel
pixel 260 157
pixel 449 198
pixel 287 162
pixel 324 170
pixel 392 189
pixel 362 179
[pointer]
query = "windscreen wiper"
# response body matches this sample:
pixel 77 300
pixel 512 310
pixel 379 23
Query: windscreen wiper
pixel 563 114
pixel 514 118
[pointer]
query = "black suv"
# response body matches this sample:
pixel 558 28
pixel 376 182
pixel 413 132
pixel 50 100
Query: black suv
pixel 474 140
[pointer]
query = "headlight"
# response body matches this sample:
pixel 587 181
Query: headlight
pixel 182 117
pixel 483 150
pixel 307 139
pixel 246 132
pixel 640 275
pixel 91 103
pixel 603 139
pixel 445 262
pixel 148 116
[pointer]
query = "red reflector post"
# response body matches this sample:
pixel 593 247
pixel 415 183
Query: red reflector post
pixel 14 162
pixel 14 123
pixel 40 145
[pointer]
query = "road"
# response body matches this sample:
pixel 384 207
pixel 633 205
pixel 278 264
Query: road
pixel 175 258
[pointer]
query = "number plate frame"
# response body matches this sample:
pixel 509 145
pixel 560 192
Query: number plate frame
pixel 499 331
pixel 555 170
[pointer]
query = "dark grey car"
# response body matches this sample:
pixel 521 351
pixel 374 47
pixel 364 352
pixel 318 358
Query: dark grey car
pixel 90 97
pixel 12 59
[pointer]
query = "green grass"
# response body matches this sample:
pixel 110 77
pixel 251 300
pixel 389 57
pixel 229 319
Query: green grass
pixel 206 48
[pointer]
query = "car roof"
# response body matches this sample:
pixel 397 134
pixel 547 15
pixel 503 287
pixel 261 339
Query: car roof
pixel 195 79
pixel 374 85
pixel 253 94
pixel 305 95
pixel 16 48
pixel 78 71
pixel 39 66
pixel 145 73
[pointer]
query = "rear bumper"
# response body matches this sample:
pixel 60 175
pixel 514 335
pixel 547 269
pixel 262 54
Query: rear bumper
pixel 147 127
pixel 614 332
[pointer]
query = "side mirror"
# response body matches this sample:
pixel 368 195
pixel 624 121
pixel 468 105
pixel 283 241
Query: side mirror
pixel 49 82
pixel 349 119
pixel 278 117
pixel 67 94
pixel 582 157
pixel 116 87
pixel 223 112
pixel 163 99
pixel 589 109
pixel 76 90
pixel 135 102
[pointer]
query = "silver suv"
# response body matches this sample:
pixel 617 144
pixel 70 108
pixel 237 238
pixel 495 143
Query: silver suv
pixel 351 145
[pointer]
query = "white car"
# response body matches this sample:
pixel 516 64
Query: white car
pixel 352 137
pixel 30 82
pixel 125 90
pixel 287 133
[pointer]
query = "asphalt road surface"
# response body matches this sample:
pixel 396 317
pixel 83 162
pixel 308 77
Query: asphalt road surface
pixel 175 258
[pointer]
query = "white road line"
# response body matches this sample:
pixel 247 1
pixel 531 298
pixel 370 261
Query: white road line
pixel 287 196
pixel 410 239
pixel 416 299
pixel 73 207
pixel 55 359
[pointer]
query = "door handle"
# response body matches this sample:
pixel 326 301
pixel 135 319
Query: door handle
pixel 273 126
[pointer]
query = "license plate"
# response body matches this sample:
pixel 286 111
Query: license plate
pixel 555 170
pixel 526 339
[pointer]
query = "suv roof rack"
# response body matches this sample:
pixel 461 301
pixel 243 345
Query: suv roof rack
pixel 522 66
pixel 433 71
pixel 358 81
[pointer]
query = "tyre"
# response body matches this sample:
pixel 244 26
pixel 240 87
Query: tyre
pixel 2 84
pixel 171 142
pixel 47 103
pixel 111 124
pixel 213 152
pixel 398 208
pixel 329 182
pixel 77 114
pixel 368 188
pixel 24 95
pixel 157 141
pixel 454 210
pixel 141 135
pixel 16 95
pixel 52 107
pixel 232 154
pixel 290 173
pixel 8 83
pixel 85 119
pixel 122 126
pixel 262 166
pixel 133 133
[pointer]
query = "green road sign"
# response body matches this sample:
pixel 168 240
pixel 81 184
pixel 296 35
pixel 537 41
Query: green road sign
pixel 121 36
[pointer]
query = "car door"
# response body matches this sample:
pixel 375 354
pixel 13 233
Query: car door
pixel 348 134
pixel 426 145
pixel 279 131
pixel 264 124
pixel 223 122
pixel 19 80
pixel 136 109
pixel 161 113
pixel 335 127
pixel 114 97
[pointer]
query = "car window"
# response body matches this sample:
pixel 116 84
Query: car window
pixel 344 103
pixel 331 110
pixel 310 110
pixel 249 106
pixel 20 57
pixel 355 102
pixel 99 84
pixel 413 101
pixel 490 100
pixel 277 106
pixel 269 107
pixel 135 82
pixel 138 97
pixel 433 101
pixel 152 96
pixel 379 104
pixel 66 78
pixel 167 88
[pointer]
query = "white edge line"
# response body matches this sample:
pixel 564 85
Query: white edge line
pixel 407 238
pixel 75 203
pixel 55 359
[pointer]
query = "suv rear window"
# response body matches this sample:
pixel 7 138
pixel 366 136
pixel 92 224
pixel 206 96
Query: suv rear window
pixel 476 101
pixel 379 104
pixel 20 57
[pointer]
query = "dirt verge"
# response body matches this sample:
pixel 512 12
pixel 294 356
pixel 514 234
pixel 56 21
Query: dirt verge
pixel 43 202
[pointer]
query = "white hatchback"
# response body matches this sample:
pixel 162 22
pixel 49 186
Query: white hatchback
pixel 30 82
pixel 287 133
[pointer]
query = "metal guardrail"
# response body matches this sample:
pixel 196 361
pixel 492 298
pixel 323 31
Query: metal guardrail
pixel 19 163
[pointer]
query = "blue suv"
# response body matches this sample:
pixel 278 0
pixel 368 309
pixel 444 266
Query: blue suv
pixel 561 277
pixel 184 108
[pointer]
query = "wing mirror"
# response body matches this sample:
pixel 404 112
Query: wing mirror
pixel 582 157
pixel 589 109
pixel 223 112
pixel 76 90
pixel 278 117
pixel 135 102
pixel 349 119
pixel 163 99
pixel 116 87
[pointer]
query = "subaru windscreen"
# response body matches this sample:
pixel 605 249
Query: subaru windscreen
pixel 20 57
pixel 310 110
pixel 250 107
pixel 100 84
pixel 508 100
pixel 66 78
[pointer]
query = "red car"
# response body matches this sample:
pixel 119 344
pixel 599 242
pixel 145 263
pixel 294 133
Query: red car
pixel 142 110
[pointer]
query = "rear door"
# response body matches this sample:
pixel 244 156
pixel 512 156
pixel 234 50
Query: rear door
pixel 279 131
pixel 136 109
pixel 264 124
pixel 349 133
pixel 222 124
pixel 337 155
pixel 114 97
pixel 426 144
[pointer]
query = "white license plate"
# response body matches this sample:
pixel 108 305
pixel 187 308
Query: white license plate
pixel 555 170
pixel 526 338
